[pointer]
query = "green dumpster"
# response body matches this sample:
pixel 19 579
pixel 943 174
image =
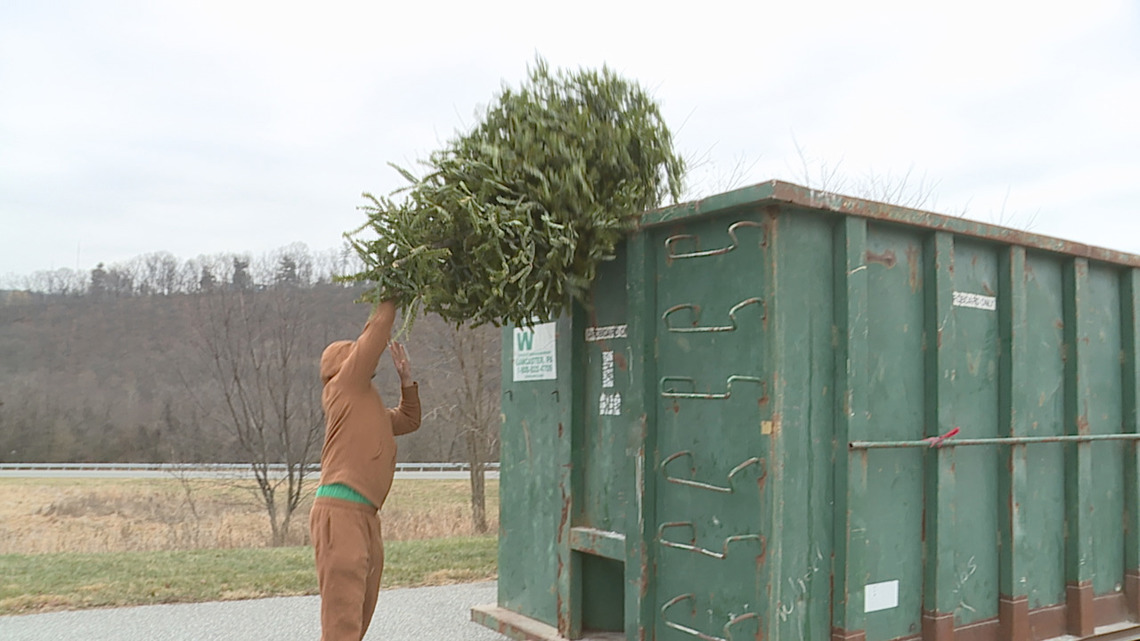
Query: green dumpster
pixel 787 414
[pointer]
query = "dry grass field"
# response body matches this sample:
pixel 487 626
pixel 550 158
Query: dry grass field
pixel 39 516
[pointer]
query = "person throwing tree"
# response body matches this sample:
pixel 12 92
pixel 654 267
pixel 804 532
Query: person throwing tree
pixel 358 461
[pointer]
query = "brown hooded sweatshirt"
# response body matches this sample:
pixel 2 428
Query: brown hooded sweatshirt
pixel 360 444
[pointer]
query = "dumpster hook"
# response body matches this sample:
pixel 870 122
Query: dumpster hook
pixel 697 633
pixel 708 486
pixel 696 314
pixel 671 253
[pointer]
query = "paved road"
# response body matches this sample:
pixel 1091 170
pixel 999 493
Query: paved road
pixel 407 614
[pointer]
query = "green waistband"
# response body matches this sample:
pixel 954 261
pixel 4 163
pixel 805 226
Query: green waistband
pixel 343 492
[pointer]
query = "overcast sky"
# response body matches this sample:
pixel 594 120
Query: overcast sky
pixel 129 127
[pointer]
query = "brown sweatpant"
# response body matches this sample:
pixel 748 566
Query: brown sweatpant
pixel 350 560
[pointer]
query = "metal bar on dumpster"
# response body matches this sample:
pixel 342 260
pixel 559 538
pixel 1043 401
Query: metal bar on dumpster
pixel 716 397
pixel 708 486
pixel 697 633
pixel 692 547
pixel 1015 440
pixel 697 315
pixel 669 253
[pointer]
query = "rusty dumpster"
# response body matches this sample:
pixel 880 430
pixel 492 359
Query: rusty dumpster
pixel 787 414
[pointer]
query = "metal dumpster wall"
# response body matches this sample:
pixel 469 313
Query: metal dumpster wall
pixel 876 336
pixel 1002 539
pixel 567 473
pixel 534 475
pixel 770 470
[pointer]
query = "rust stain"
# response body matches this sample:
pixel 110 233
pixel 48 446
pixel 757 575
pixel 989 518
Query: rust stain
pixel 560 429
pixel 563 521
pixel 1060 324
pixel 676 407
pixel 767 226
pixel 563 613
pixel 644 587
pixel 886 258
pixel 563 530
pixel 1083 424
pixel 912 265
pixel 988 290
pixel 620 361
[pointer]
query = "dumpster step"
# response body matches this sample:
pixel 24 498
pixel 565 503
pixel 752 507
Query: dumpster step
pixel 517 626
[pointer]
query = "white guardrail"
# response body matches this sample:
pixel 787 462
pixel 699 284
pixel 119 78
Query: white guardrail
pixel 218 467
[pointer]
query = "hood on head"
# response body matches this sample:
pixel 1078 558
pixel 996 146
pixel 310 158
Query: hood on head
pixel 332 359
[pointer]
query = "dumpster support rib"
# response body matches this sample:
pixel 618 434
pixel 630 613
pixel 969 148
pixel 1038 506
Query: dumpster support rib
pixel 1130 316
pixel 938 572
pixel 851 371
pixel 641 553
pixel 1014 404
pixel 1079 560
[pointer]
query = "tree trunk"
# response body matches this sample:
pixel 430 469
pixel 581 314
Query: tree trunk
pixel 478 482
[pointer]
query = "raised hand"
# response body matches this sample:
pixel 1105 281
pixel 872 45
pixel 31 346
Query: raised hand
pixel 402 363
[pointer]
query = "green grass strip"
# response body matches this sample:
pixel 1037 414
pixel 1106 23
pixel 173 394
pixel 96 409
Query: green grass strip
pixel 69 581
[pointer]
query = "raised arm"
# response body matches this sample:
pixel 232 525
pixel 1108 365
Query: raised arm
pixel 361 362
pixel 406 417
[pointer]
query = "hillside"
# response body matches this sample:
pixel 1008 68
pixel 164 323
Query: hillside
pixel 128 379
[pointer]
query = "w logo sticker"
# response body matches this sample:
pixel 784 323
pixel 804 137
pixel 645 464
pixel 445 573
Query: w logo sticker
pixel 534 353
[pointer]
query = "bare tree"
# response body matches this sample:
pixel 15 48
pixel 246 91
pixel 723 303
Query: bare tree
pixel 260 347
pixel 467 369
pixel 58 282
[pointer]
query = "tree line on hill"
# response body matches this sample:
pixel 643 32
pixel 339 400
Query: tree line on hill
pixel 115 365
pixel 162 274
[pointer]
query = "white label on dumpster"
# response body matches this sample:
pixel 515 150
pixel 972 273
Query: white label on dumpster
pixel 976 301
pixel 606 333
pixel 881 596
pixel 534 353
pixel 609 404
pixel 607 369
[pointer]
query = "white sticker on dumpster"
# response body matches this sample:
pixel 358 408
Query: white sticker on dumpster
pixel 609 332
pixel 609 404
pixel 607 369
pixel 534 353
pixel 975 301
pixel 881 596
